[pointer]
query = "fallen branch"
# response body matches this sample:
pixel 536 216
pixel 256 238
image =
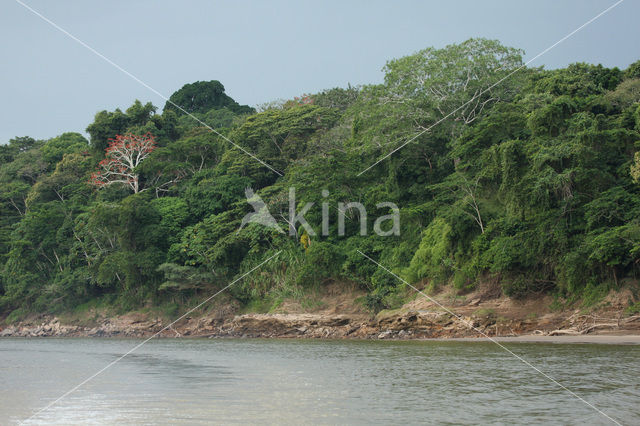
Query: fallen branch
pixel 593 327
pixel 564 332
pixel 631 319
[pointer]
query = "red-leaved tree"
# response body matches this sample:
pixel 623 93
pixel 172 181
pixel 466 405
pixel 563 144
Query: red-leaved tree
pixel 123 155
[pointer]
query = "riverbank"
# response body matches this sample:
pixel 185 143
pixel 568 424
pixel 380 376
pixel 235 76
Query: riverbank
pixel 600 339
pixel 337 314
pixel 318 327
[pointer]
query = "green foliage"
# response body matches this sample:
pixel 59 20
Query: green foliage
pixel 184 278
pixel 578 80
pixel 625 95
pixel 593 293
pixel 337 97
pixel 534 182
pixel 67 143
pixel 209 194
pixel 432 259
pixel 635 168
pixel 633 71
pixel 67 182
pixel 174 213
pixel 322 260
pixel 634 308
pixel 277 137
pixel 202 96
pixel 484 313
pixel 107 125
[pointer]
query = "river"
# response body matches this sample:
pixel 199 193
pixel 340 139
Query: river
pixel 204 381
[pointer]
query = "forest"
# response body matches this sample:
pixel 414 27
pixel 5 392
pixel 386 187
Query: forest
pixel 522 176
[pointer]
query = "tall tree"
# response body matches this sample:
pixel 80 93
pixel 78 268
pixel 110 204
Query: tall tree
pixel 202 96
pixel 123 156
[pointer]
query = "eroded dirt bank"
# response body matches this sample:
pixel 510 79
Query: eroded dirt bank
pixel 339 315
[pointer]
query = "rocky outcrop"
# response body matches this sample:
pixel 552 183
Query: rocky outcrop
pixel 112 327
pixel 45 329
pixel 473 318
pixel 389 325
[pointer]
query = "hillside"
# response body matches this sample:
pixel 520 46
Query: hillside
pixel 470 168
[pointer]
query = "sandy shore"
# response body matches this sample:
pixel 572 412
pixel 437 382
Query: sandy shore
pixel 604 339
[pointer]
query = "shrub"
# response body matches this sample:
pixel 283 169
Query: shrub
pixel 432 259
pixel 322 260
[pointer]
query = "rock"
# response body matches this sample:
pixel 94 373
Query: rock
pixel 352 330
pixel 9 331
pixel 385 334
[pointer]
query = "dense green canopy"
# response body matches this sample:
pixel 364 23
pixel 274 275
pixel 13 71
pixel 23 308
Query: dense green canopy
pixel 201 97
pixel 530 180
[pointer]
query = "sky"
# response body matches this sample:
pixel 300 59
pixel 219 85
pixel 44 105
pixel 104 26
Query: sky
pixel 263 50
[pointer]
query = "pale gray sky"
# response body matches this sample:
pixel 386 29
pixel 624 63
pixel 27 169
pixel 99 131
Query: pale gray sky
pixel 263 50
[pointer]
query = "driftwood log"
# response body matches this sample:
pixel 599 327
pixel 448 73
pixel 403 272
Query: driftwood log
pixel 585 324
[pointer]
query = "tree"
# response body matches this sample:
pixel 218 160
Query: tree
pixel 25 167
pixel 16 146
pixel 459 80
pixel 107 125
pixel 578 80
pixel 54 149
pixel 524 177
pixel 202 96
pixel 123 155
pixel 68 180
pixel 138 246
pixel 277 137
pixel 633 71
pixel 469 190
pixel 635 168
pixel 337 97
pixel 626 94
pixel 428 100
